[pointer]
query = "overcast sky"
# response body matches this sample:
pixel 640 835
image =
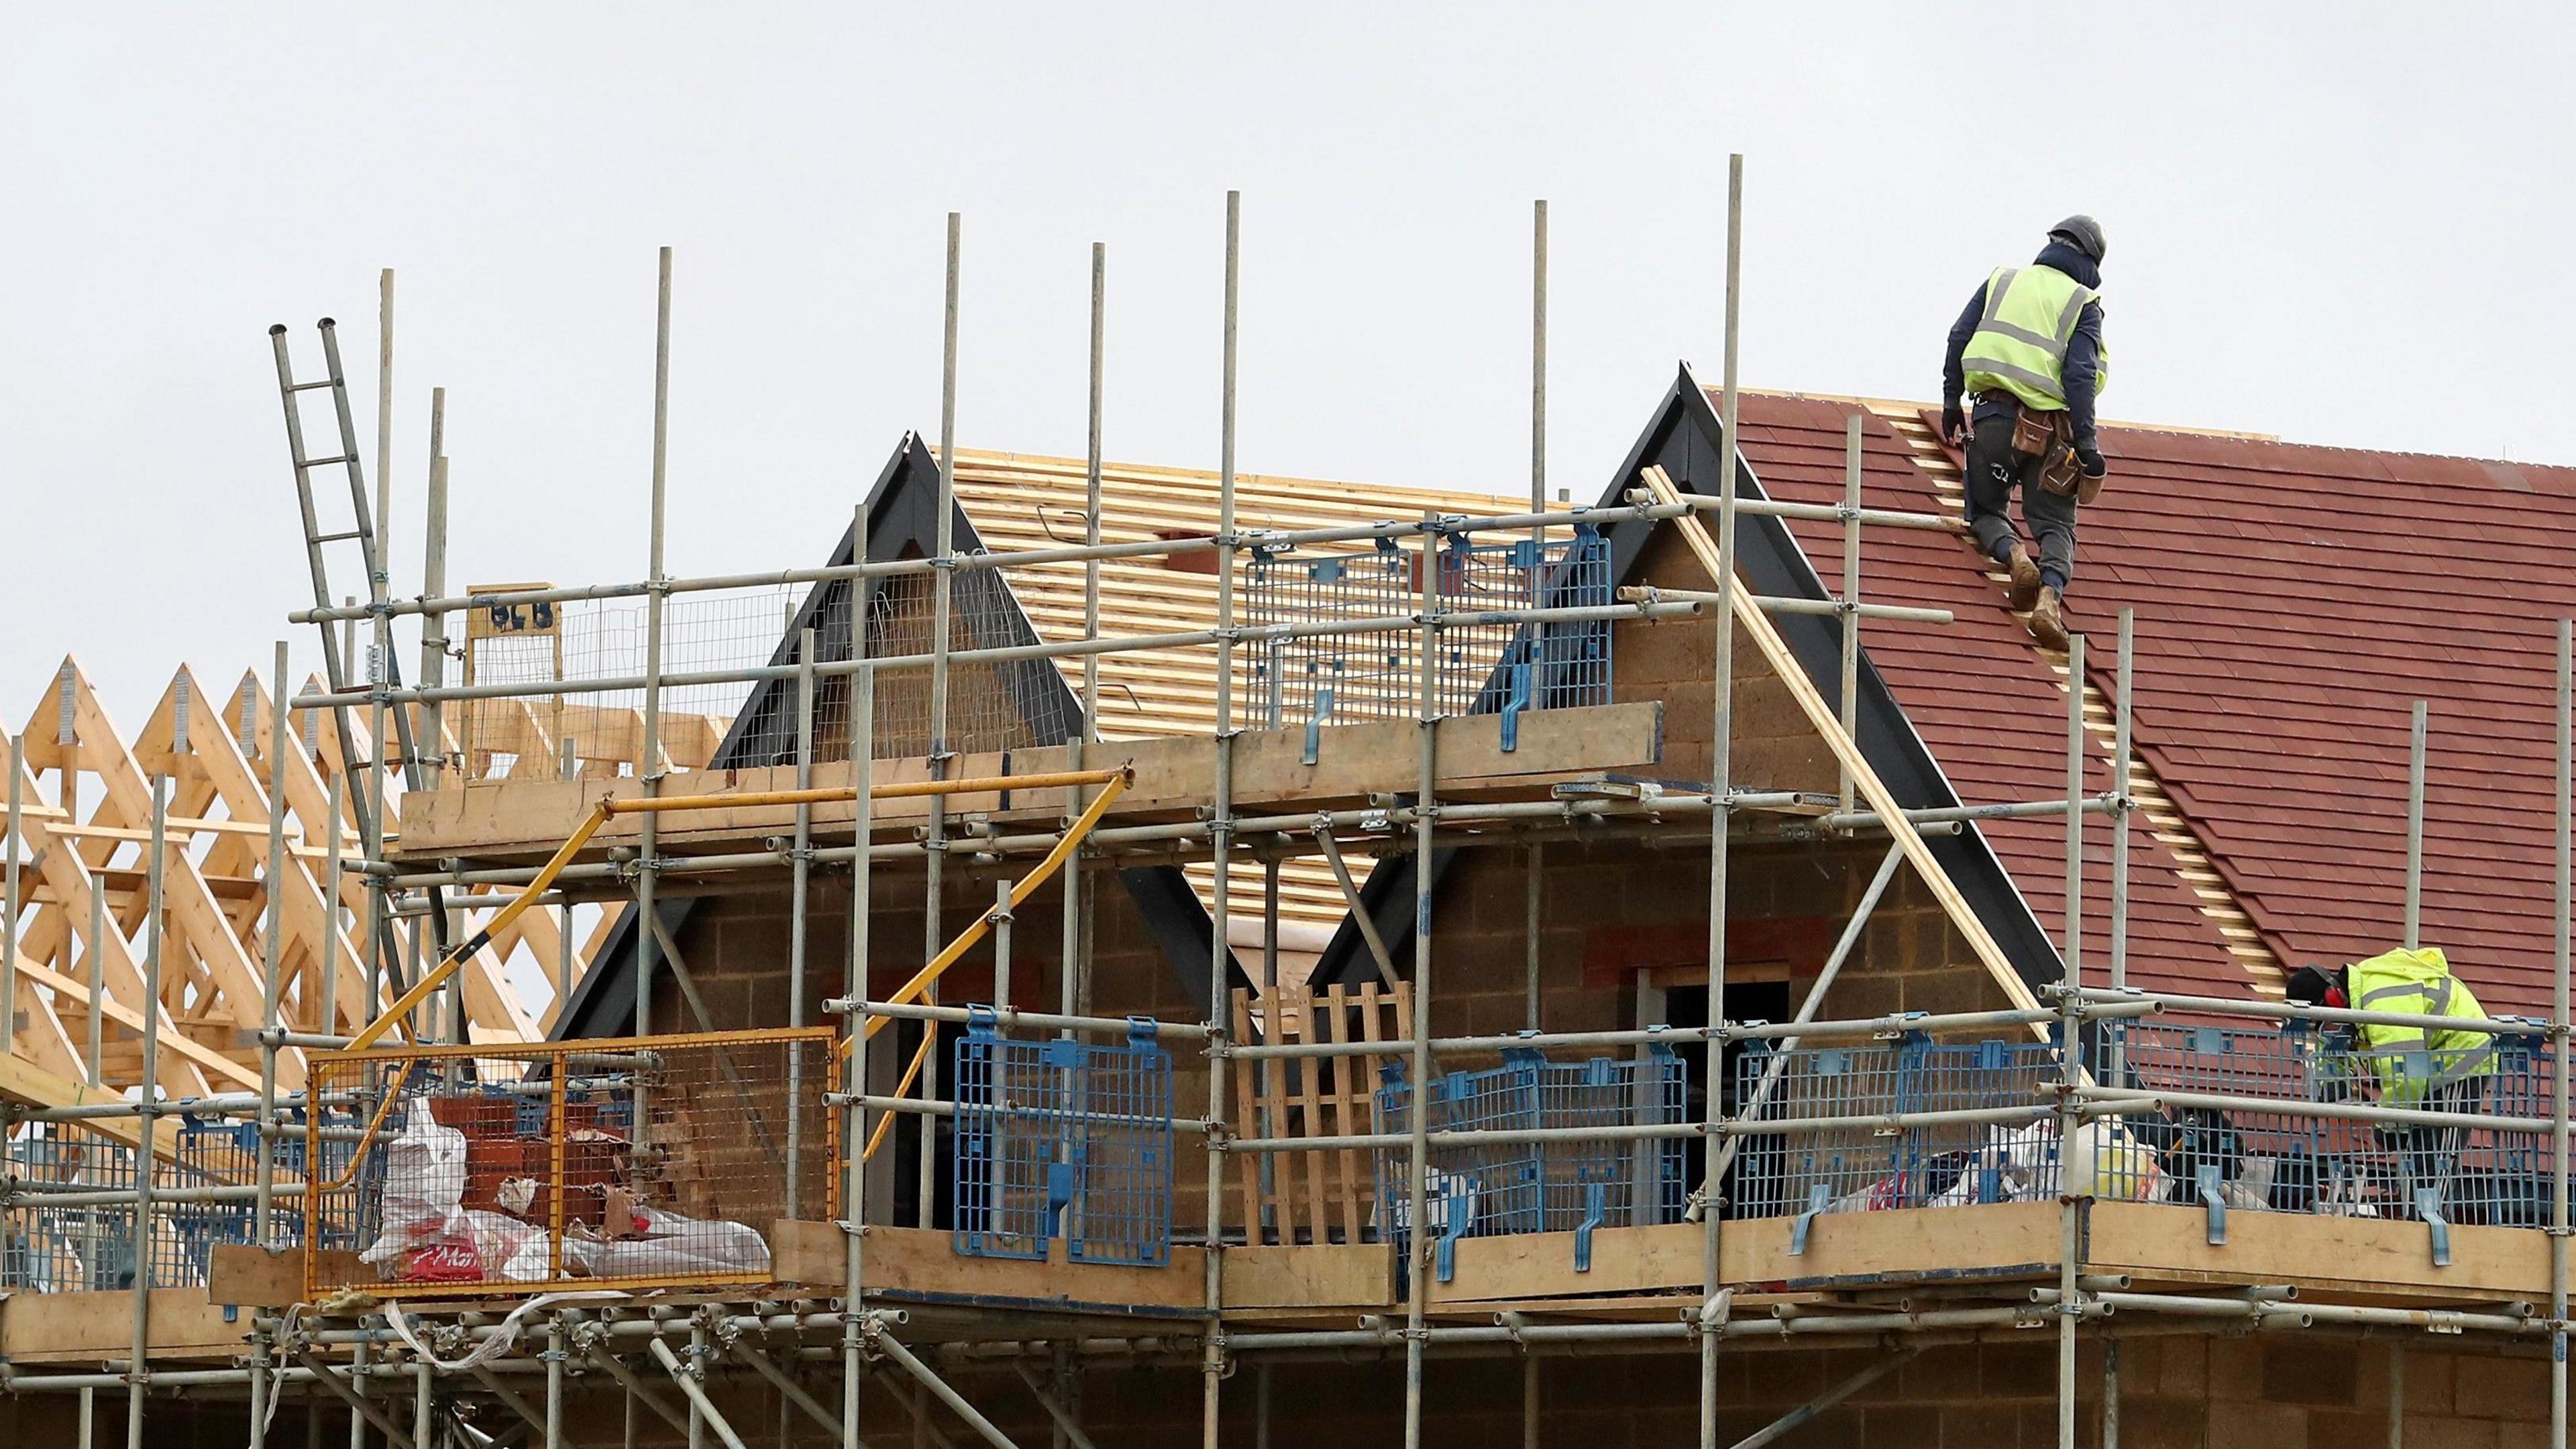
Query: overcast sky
pixel 2338 223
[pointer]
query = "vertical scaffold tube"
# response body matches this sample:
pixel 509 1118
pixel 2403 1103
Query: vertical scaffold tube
pixel 147 1105
pixel 1720 787
pixel 273 930
pixel 943 599
pixel 656 607
pixel 799 881
pixel 2071 1030
pixel 14 747
pixel 554 1380
pixel 1418 1232
pixel 1212 1352
pixel 1850 699
pixel 1530 985
pixel 2415 829
pixel 2563 878
pixel 854 1119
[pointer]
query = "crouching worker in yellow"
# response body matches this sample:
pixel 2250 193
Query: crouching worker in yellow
pixel 2429 1069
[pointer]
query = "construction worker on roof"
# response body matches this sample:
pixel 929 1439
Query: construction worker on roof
pixel 2433 1070
pixel 2028 353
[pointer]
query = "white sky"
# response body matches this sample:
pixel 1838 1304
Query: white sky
pixel 2337 223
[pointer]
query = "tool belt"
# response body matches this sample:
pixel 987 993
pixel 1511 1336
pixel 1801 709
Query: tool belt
pixel 2047 436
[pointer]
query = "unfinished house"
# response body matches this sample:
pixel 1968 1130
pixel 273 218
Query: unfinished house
pixel 1168 958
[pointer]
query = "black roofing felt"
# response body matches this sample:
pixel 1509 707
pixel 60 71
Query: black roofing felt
pixel 1685 437
pixel 902 513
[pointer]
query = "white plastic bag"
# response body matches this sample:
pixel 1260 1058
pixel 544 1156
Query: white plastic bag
pixel 424 1182
pixel 675 1244
pixel 500 1238
pixel 530 1261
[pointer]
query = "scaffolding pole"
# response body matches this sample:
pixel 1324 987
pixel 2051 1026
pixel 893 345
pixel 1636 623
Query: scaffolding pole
pixel 1419 1238
pixel 942 604
pixel 1221 839
pixel 1721 785
pixel 854 1118
pixel 2071 1043
pixel 147 1104
pixel 1850 604
pixel 2563 898
pixel 799 887
pixel 2415 829
pixel 263 1228
pixel 656 614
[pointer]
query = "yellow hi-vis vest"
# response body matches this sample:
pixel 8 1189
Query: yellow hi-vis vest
pixel 2020 342
pixel 2409 1061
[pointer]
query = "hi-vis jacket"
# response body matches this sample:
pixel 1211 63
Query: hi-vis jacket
pixel 2019 346
pixel 2410 1062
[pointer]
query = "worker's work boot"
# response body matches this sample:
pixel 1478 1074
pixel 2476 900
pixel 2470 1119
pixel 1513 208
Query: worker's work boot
pixel 2023 592
pixel 2048 621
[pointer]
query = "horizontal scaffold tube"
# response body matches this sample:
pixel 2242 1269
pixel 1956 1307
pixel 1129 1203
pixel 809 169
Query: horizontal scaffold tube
pixel 1963 814
pixel 1822 512
pixel 1369 826
pixel 54 1196
pixel 2093 996
pixel 1007 1017
pixel 999 654
pixel 1777 604
pixel 1969 1116
pixel 2436 1320
pixel 940 1107
pixel 2130 1101
pixel 1271 539
pixel 1648 1036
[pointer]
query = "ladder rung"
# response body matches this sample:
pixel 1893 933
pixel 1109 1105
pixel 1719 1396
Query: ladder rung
pixel 309 386
pixel 327 462
pixel 340 537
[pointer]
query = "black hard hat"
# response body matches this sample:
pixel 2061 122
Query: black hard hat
pixel 2080 232
pixel 2308 985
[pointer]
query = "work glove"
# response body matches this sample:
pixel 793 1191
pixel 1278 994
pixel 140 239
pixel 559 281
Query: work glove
pixel 1954 426
pixel 2091 457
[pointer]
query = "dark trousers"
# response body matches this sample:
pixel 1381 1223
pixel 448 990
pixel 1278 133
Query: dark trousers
pixel 1994 471
pixel 2430 1156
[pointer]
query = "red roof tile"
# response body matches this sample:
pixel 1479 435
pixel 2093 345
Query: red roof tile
pixel 2292 602
pixel 1992 711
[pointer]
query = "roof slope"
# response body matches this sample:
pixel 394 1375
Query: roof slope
pixel 2292 602
pixel 1990 708
pixel 1023 501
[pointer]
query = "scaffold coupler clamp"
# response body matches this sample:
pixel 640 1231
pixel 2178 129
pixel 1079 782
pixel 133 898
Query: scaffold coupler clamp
pixel 722 1327
pixel 1711 1319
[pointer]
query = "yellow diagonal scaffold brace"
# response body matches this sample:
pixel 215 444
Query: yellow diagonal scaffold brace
pixel 928 976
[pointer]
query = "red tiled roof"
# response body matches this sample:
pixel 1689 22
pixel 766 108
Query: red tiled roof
pixel 2292 602
pixel 1989 707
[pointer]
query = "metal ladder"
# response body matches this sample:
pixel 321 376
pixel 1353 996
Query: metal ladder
pixel 362 531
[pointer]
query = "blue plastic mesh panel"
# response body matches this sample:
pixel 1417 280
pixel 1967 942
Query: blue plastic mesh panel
pixel 1361 675
pixel 1063 1138
pixel 1865 1165
pixel 1506 667
pixel 1488 1189
pixel 2291 1163
pixel 1612 1182
pixel 90 1249
pixel 1483 668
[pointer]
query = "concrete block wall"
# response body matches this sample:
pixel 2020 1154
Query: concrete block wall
pixel 2197 1391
